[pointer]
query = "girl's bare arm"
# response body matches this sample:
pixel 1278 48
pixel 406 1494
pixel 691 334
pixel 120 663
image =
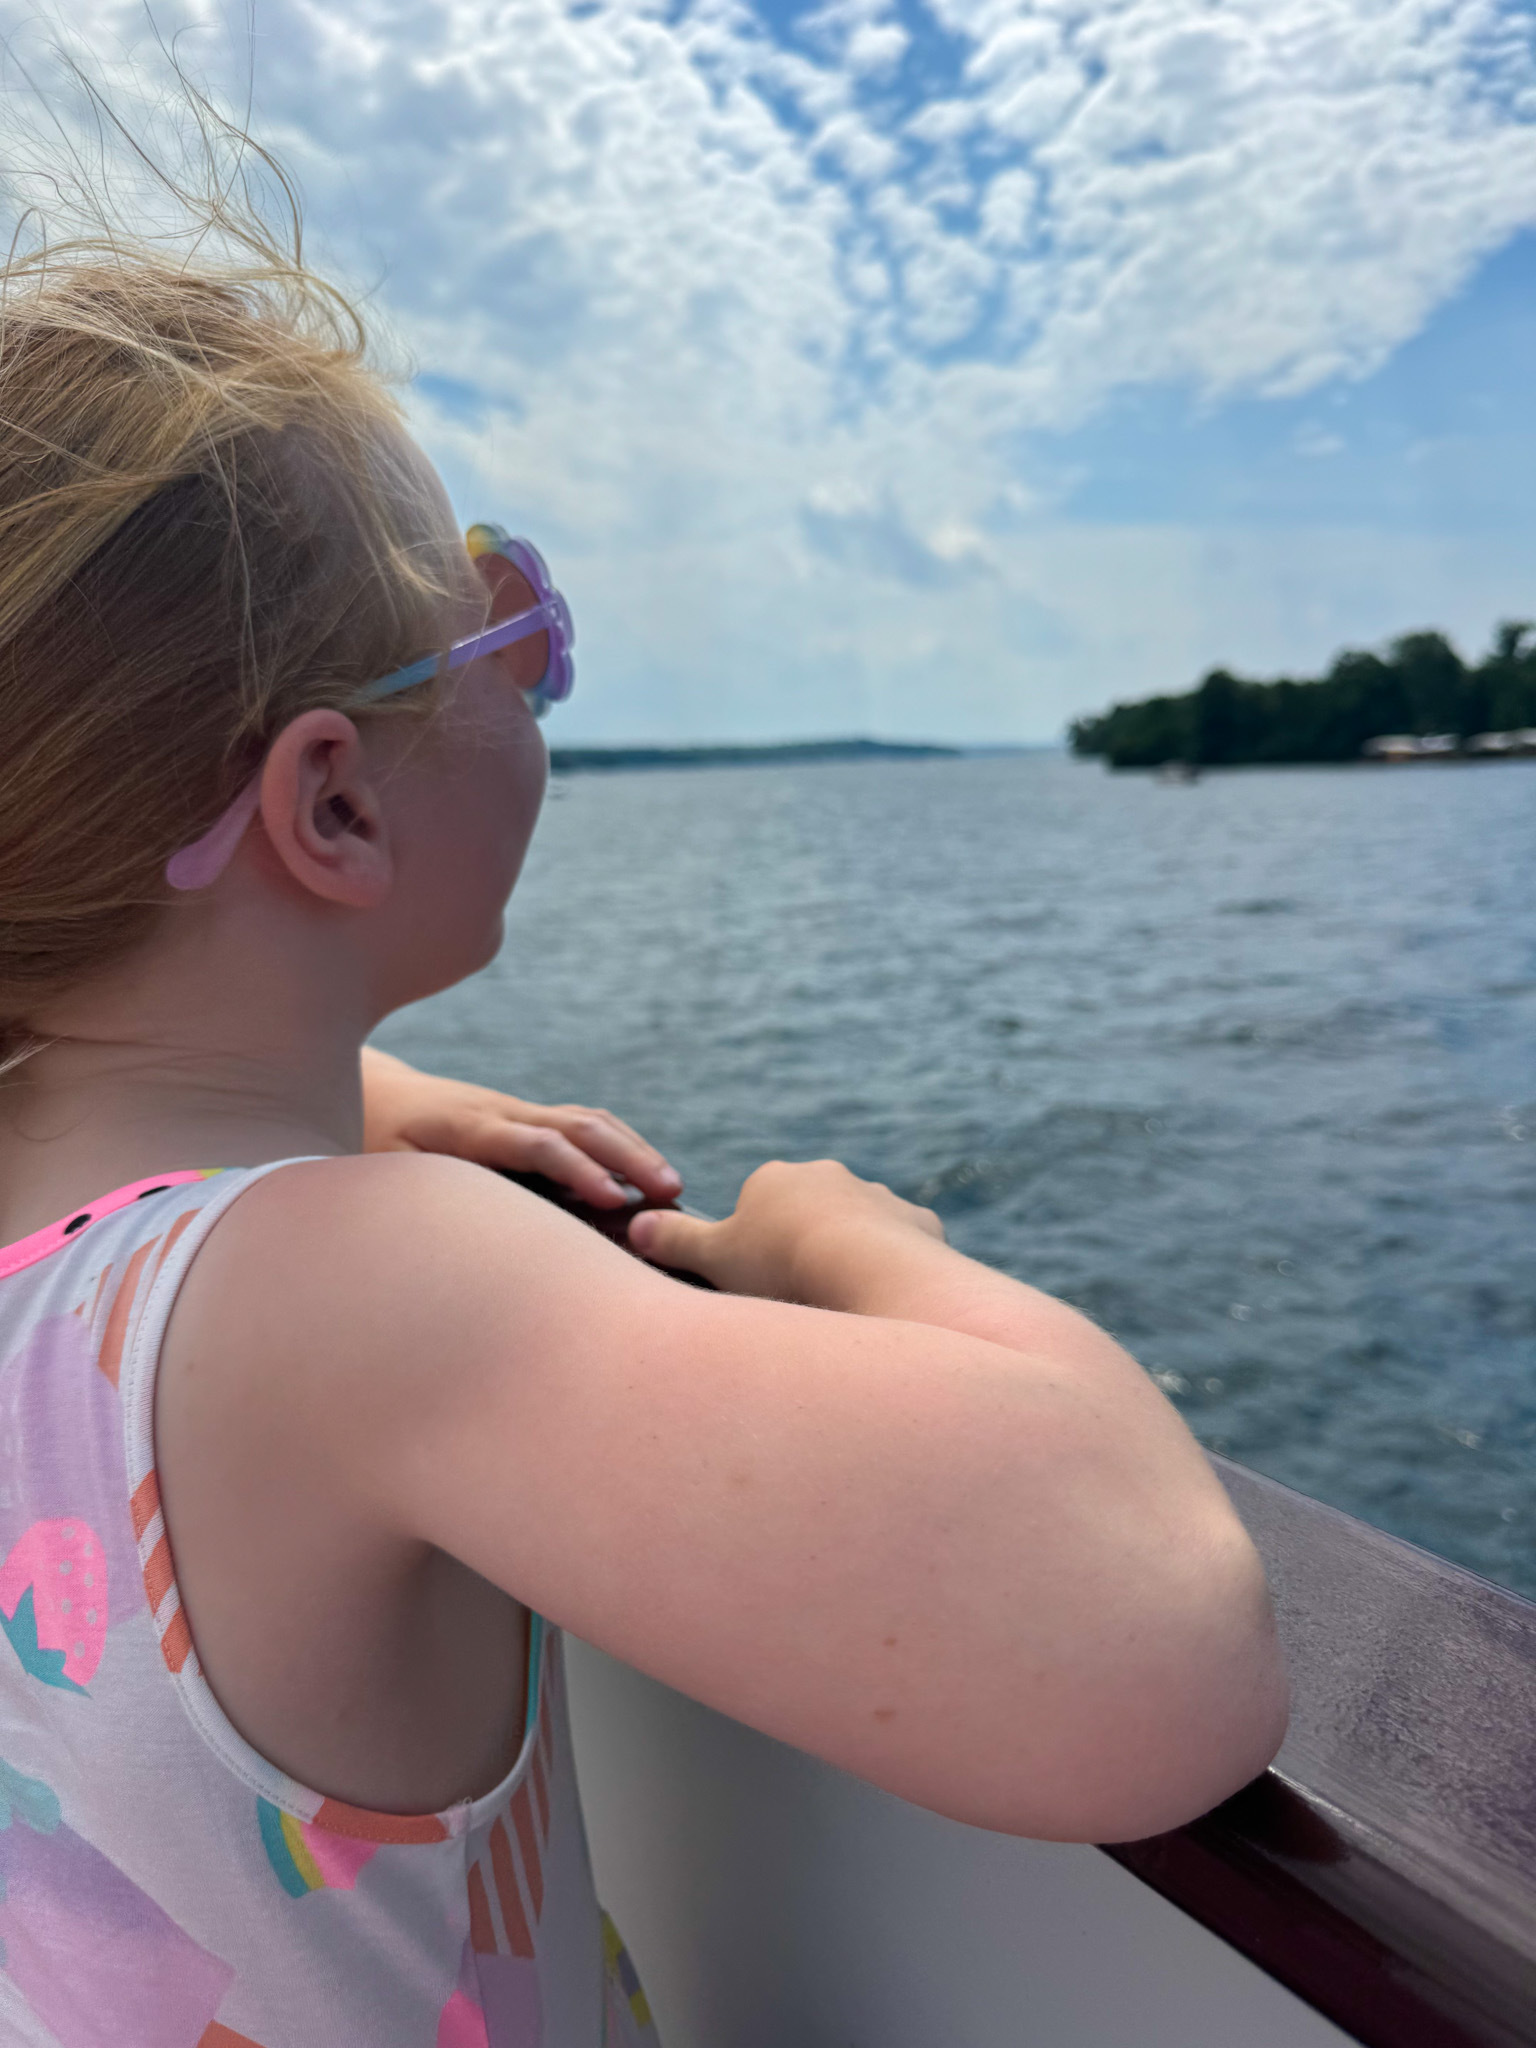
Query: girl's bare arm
pixel 937 1528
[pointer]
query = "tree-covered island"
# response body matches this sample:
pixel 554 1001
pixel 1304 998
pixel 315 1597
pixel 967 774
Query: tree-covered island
pixel 1420 684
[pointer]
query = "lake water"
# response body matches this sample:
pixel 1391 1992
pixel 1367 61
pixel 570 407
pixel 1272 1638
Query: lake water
pixel 1245 1069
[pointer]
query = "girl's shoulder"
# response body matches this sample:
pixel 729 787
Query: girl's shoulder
pixel 365 1291
pixel 387 1238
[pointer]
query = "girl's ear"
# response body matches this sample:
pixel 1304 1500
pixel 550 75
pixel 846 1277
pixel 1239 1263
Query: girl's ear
pixel 322 814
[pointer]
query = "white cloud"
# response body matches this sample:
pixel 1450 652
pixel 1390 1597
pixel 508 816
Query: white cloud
pixel 855 526
pixel 876 46
pixel 696 271
pixel 863 153
pixel 1009 207
pixel 942 121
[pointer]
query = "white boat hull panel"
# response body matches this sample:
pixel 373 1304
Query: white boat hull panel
pixel 770 1901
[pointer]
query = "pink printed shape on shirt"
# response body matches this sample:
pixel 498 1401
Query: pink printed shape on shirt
pixel 61 1451
pixel 461 2024
pixel 513 1999
pixel 65 1567
pixel 338 1858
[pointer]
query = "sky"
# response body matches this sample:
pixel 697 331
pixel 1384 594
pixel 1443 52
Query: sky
pixel 934 369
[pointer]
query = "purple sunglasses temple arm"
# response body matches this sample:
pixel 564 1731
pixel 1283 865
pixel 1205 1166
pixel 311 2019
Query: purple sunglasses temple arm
pixel 462 652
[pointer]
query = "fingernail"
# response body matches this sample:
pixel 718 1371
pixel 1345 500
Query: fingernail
pixel 641 1229
pixel 670 1177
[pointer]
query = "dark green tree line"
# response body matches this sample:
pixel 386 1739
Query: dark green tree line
pixel 1419 685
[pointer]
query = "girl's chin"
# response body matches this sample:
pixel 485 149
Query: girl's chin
pixel 448 970
pixel 495 938
pixel 491 941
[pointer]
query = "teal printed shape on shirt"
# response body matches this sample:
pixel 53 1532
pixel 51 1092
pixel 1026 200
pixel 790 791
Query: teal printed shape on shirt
pixel 28 1800
pixel 273 1840
pixel 47 1665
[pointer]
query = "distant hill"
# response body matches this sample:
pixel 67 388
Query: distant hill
pixel 585 760
pixel 1419 685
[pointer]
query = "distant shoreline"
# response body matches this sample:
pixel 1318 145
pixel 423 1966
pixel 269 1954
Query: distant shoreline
pixel 589 760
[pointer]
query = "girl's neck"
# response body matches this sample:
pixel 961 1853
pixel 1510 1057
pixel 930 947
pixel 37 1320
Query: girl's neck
pixel 84 1116
pixel 229 1038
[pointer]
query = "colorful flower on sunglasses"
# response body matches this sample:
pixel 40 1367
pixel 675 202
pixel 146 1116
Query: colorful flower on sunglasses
pixel 513 618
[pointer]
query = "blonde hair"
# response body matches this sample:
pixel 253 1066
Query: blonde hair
pixel 209 523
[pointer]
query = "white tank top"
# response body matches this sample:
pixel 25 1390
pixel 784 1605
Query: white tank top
pixel 161 1884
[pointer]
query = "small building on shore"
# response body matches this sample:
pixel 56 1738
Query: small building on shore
pixel 1412 746
pixel 1521 741
pixel 1449 746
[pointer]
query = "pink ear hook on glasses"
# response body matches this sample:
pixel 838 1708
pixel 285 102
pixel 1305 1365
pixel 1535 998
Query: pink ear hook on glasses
pixel 195 866
pixel 202 863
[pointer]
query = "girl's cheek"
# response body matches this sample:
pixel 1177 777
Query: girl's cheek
pixel 510 797
pixel 493 775
pixel 528 772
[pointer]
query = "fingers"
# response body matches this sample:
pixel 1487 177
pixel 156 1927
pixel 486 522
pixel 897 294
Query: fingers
pixel 623 1151
pixel 500 1130
pixel 669 1238
pixel 539 1148
pixel 524 1148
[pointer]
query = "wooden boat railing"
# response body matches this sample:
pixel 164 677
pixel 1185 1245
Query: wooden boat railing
pixel 1384 1867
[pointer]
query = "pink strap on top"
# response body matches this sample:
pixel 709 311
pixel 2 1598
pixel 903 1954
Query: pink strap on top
pixel 28 1250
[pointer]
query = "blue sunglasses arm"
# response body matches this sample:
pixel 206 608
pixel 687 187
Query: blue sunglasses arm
pixel 523 627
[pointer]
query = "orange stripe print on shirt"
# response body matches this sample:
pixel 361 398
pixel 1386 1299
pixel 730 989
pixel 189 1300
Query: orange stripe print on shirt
pixel 527 1841
pixel 145 1502
pixel 110 1357
pixel 515 1920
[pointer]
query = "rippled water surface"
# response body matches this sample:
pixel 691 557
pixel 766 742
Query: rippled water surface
pixel 1245 1069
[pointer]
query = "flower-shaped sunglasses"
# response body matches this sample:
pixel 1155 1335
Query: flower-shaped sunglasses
pixel 525 605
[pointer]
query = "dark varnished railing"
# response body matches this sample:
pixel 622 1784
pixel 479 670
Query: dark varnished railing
pixel 1384 1868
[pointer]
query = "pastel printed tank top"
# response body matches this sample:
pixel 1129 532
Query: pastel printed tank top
pixel 161 1884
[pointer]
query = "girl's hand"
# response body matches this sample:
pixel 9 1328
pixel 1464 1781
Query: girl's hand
pixel 587 1150
pixel 815 1234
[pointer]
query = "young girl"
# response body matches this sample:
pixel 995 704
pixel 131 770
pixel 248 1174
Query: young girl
pixel 311 1441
